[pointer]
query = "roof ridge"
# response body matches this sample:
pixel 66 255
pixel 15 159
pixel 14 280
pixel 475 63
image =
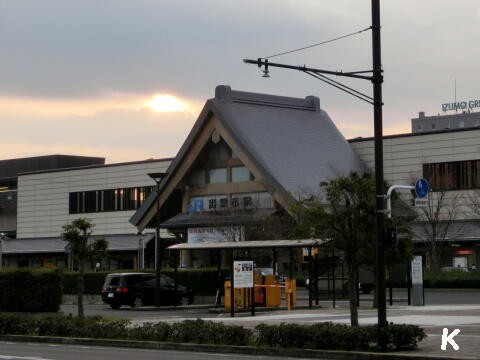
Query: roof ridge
pixel 224 92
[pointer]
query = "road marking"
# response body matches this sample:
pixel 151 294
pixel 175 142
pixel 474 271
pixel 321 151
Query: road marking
pixel 13 357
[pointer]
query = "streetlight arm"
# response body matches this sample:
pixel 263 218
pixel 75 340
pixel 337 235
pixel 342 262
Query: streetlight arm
pixel 391 189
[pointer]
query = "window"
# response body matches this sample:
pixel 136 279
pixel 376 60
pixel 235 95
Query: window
pixel 90 202
pixel 73 203
pixel 217 176
pixel 454 175
pixel 107 200
pixel 240 173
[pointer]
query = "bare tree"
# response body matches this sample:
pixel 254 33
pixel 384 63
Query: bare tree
pixel 435 222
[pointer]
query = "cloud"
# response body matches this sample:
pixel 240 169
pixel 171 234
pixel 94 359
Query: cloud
pixel 95 129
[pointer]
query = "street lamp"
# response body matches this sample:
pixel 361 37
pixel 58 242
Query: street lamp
pixel 157 177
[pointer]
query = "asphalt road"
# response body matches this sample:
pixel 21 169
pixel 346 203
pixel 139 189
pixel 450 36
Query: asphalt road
pixel 31 351
pixel 432 297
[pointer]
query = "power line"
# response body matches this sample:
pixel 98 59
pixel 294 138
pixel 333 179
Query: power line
pixel 318 44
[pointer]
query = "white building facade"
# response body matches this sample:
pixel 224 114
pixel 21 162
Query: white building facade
pixel 107 195
pixel 450 161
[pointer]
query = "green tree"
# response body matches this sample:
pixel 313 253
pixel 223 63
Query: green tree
pixel 344 213
pixel 82 248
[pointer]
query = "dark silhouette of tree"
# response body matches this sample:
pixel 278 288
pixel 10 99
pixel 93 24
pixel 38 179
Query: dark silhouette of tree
pixel 82 248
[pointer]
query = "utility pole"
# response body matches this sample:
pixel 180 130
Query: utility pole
pixel 379 180
pixel 157 177
pixel 377 79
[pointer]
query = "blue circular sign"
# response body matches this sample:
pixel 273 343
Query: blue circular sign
pixel 422 188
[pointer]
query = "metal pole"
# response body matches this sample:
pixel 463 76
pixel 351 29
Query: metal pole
pixel 310 278
pixel 175 274
pixel 333 283
pixel 232 290
pixel 378 134
pixel 158 250
pixel 1 252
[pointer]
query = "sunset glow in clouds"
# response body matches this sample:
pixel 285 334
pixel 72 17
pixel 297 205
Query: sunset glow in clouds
pixel 120 127
pixel 166 103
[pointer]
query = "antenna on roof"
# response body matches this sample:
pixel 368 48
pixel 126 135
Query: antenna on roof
pixel 455 85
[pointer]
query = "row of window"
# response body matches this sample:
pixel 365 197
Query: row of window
pixel 454 175
pixel 108 200
pixel 220 175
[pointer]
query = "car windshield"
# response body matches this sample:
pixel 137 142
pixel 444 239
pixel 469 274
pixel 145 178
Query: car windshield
pixel 112 281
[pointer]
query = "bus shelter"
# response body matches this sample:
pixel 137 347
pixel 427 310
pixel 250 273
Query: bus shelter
pixel 274 245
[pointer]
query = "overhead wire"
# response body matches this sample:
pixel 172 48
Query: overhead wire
pixel 318 44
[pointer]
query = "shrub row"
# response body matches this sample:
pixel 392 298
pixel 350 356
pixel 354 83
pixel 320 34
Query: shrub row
pixel 30 290
pixel 325 336
pixel 201 281
pixel 453 280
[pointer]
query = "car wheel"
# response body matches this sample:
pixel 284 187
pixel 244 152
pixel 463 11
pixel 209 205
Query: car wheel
pixel 137 302
pixel 184 300
pixel 115 306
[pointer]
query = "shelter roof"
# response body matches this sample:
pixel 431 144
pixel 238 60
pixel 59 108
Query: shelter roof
pixel 257 244
pixel 123 242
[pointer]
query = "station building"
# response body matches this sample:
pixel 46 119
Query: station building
pixel 246 160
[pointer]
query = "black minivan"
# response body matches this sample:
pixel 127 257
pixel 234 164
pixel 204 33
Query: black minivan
pixel 138 289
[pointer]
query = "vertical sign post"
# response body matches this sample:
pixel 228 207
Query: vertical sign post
pixel 417 282
pixel 243 278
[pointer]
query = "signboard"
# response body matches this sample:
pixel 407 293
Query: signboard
pixel 422 188
pixel 418 298
pixel 216 234
pixel 242 274
pixel 461 105
pixel 417 270
pixel 421 202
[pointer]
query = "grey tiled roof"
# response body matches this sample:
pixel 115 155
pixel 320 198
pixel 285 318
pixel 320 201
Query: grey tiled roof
pixel 124 242
pixel 292 141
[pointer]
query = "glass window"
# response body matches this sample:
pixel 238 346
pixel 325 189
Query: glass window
pixel 240 173
pixel 218 176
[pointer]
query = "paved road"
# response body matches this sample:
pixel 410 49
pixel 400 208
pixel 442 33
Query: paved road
pixel 31 351
pixel 432 297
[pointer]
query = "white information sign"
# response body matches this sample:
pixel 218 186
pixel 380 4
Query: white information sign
pixel 215 234
pixel 421 202
pixel 417 271
pixel 242 274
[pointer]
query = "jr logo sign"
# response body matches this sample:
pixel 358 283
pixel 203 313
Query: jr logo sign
pixel 449 338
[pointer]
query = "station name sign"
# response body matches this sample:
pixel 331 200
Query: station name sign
pixel 461 105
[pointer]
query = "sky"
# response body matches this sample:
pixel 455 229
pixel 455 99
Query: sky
pixel 126 80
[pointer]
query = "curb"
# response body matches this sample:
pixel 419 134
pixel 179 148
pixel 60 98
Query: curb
pixel 225 349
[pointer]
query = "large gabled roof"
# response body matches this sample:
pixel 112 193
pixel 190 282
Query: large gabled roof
pixel 291 141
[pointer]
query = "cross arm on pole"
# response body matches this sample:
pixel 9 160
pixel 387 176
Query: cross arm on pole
pixel 355 74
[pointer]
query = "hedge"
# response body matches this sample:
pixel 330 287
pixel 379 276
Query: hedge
pixel 201 281
pixel 324 336
pixel 453 280
pixel 30 290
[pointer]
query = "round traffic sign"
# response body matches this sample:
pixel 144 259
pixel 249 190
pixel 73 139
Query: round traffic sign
pixel 422 188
